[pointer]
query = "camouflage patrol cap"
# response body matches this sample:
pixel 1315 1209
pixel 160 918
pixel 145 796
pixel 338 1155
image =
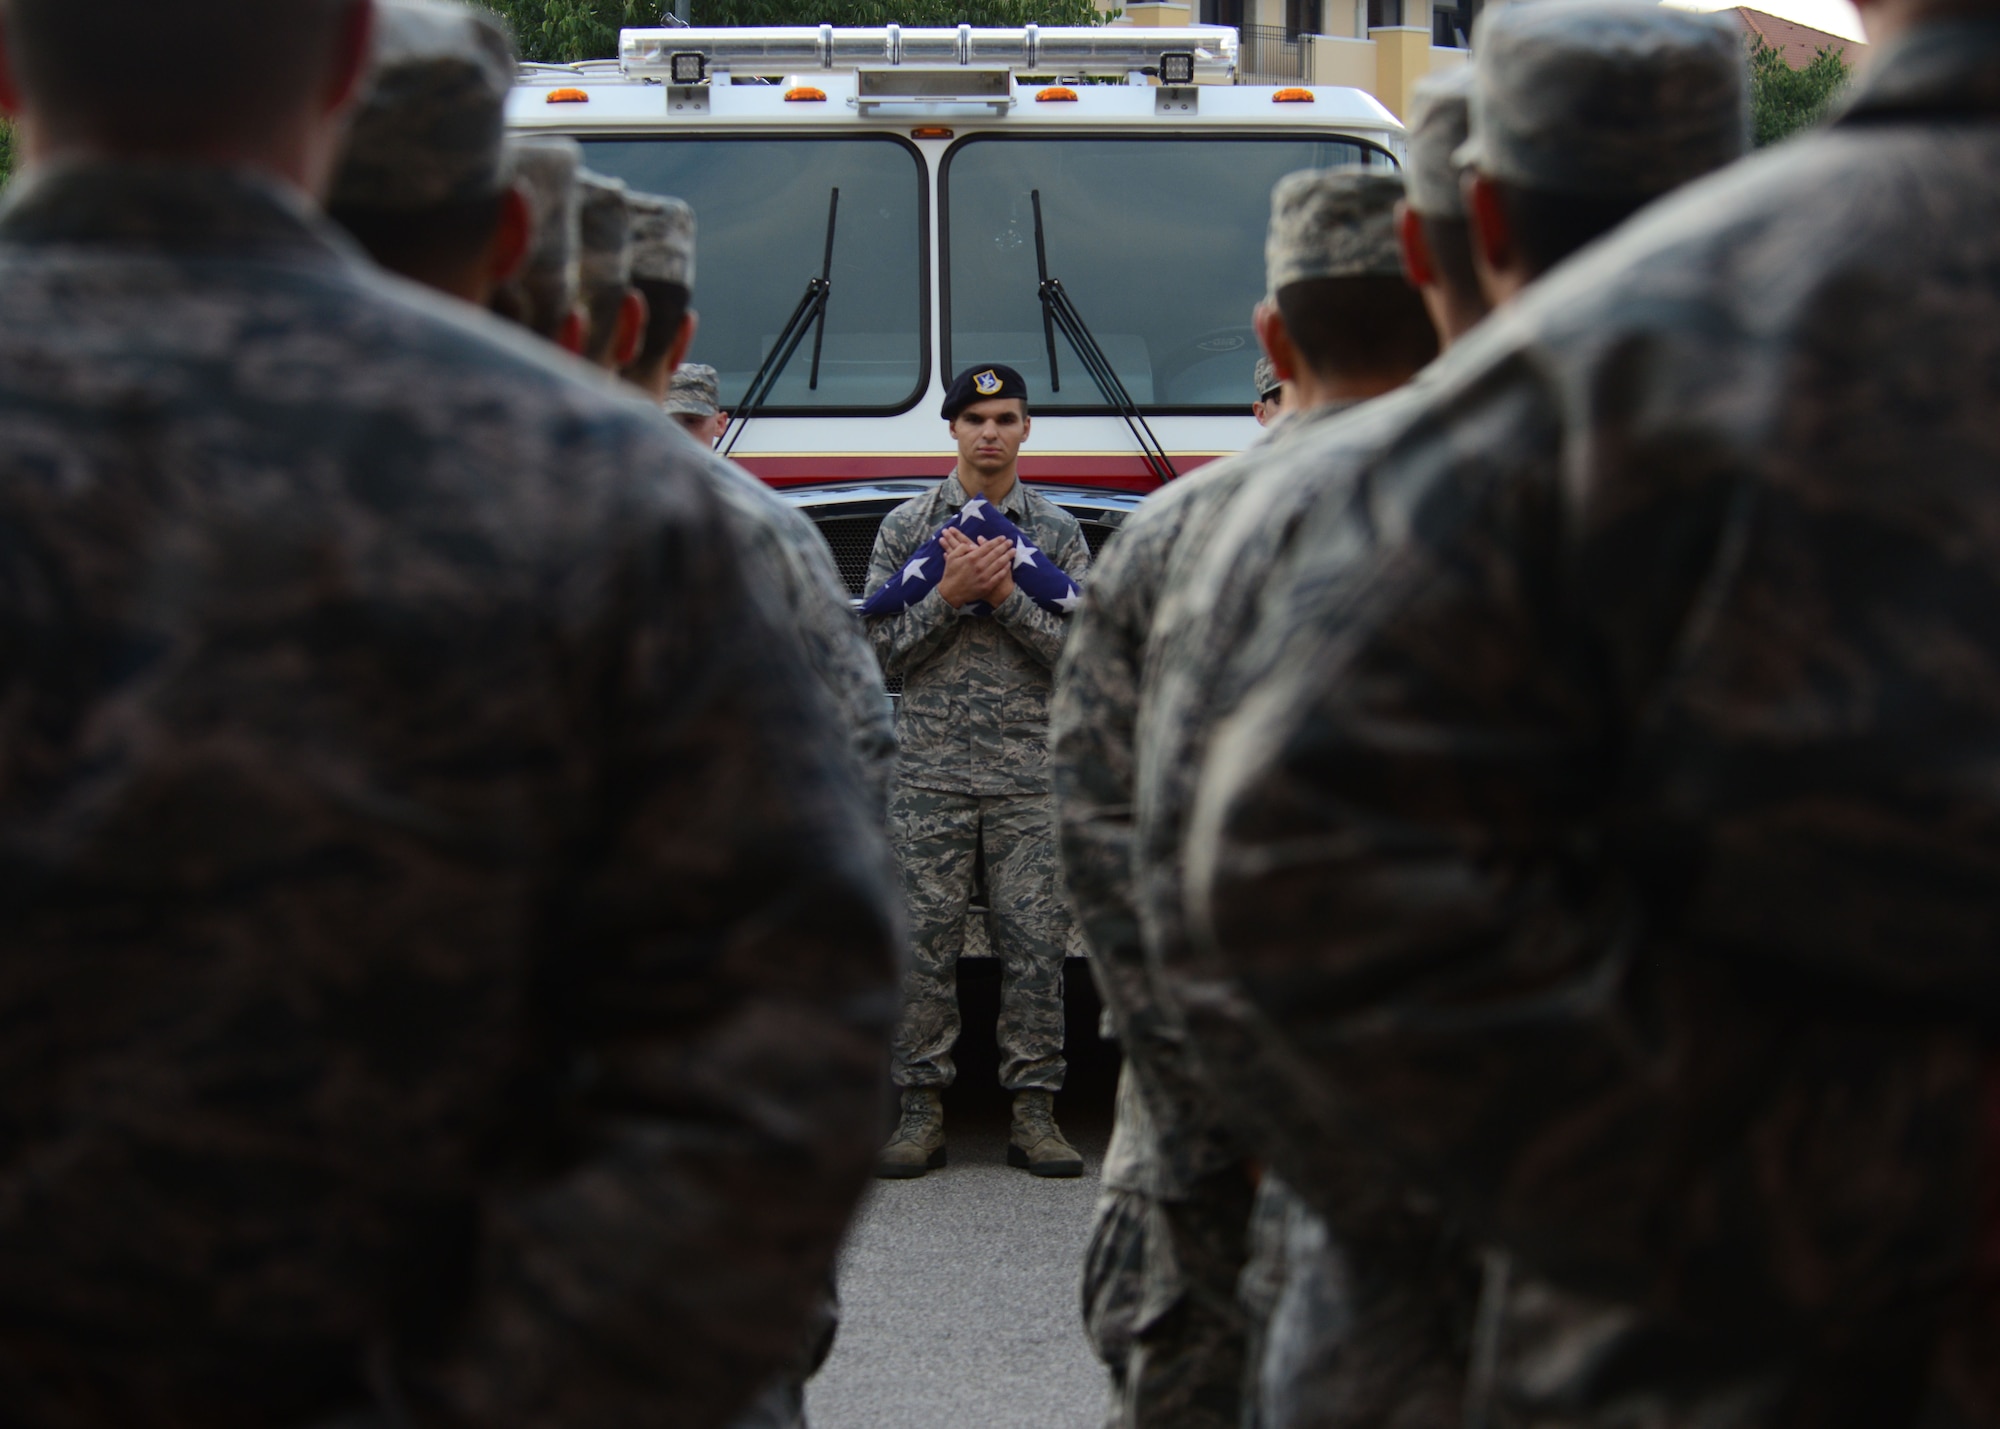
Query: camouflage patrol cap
pixel 1606 97
pixel 1440 119
pixel 547 171
pixel 1265 378
pixel 696 391
pixel 662 240
pixel 605 227
pixel 1333 223
pixel 432 127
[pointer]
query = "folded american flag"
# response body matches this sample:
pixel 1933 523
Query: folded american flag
pixel 1035 575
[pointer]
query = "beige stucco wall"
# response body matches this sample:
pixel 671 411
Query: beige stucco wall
pixel 1343 62
pixel 1159 14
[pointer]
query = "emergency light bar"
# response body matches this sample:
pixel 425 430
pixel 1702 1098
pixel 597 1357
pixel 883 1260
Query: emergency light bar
pixel 1206 56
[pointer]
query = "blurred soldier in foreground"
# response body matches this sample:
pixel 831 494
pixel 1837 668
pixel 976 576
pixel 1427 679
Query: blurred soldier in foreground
pixel 663 274
pixel 1608 841
pixel 1177 1197
pixel 614 311
pixel 424 182
pixel 956 619
pixel 808 587
pixel 793 567
pixel 544 296
pixel 1403 1269
pixel 1270 403
pixel 694 399
pixel 448 960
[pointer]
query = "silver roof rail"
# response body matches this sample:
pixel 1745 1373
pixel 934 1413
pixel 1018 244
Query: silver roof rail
pixel 1205 55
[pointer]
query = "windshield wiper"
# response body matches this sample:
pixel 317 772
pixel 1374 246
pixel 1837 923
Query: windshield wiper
pixel 1059 312
pixel 810 313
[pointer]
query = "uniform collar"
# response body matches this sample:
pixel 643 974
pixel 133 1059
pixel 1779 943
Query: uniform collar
pixel 1946 68
pixel 169 207
pixel 1017 499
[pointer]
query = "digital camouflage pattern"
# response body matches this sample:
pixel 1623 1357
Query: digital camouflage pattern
pixel 1440 120
pixel 1605 844
pixel 974 717
pixel 546 290
pixel 1188 1346
pixel 1114 1285
pixel 1333 223
pixel 972 775
pixel 604 233
pixel 696 392
pixel 1344 1334
pixel 663 240
pixel 938 837
pixel 446 955
pixel 806 585
pixel 1159 1286
pixel 1171 1140
pixel 430 129
pixel 1606 96
pixel 1091 729
pixel 1406 1309
pixel 1106 775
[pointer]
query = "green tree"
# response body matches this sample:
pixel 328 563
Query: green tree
pixel 562 31
pixel 1784 100
pixel 6 152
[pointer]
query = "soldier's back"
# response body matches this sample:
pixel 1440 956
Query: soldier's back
pixel 1676 636
pixel 362 753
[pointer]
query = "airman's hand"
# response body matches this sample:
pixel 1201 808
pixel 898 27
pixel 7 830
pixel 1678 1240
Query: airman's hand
pixel 959 583
pixel 997 553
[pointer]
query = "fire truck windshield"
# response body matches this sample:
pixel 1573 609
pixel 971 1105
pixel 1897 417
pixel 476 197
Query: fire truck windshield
pixel 761 209
pixel 1159 242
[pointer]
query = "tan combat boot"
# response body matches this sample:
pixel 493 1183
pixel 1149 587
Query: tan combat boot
pixel 1037 1142
pixel 918 1144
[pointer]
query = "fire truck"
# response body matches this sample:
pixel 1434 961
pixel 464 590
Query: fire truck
pixel 882 208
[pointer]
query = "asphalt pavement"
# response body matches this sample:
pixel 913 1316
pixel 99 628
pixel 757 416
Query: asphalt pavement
pixel 960 1290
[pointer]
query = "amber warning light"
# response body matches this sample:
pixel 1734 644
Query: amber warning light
pixel 805 94
pixel 1057 95
pixel 569 96
pixel 1292 96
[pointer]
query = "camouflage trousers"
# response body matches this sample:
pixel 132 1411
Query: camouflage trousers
pixel 1370 1336
pixel 939 838
pixel 1159 1303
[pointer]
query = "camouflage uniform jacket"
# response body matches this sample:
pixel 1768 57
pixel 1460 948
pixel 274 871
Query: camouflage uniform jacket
pixel 1611 838
pixel 443 946
pixel 1187 677
pixel 815 599
pixel 1091 753
pixel 974 717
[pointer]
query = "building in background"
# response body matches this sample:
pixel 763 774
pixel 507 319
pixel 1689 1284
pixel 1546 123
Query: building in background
pixel 1799 45
pixel 1385 46
pixel 1380 46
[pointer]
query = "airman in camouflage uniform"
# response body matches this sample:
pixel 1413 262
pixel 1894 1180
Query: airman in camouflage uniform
pixel 1269 405
pixel 1607 841
pixel 448 961
pixel 694 399
pixel 1407 1275
pixel 799 575
pixel 806 583
pixel 1177 1197
pixel 544 295
pixel 972 786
